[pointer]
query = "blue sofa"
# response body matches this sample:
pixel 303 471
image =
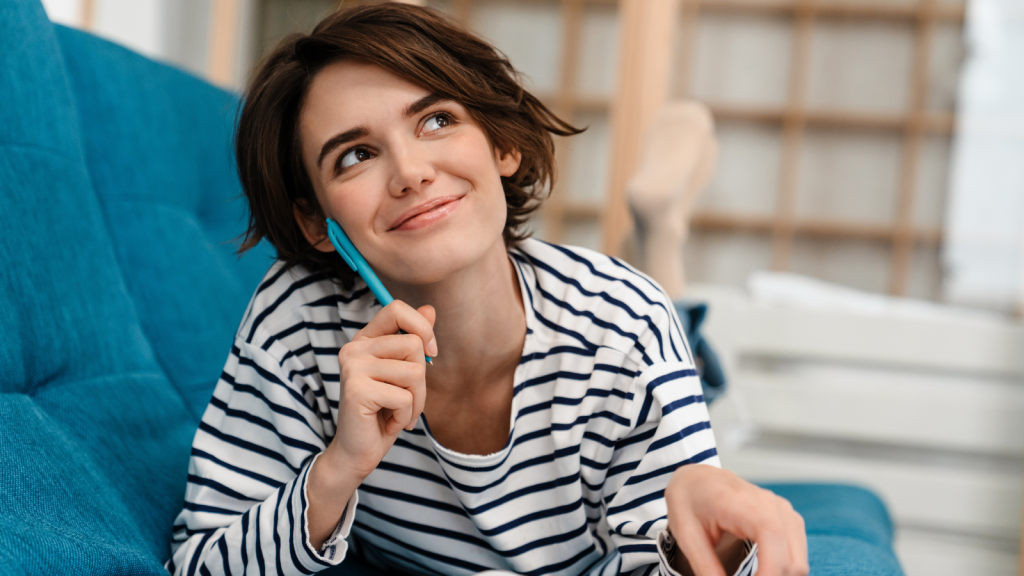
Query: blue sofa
pixel 119 296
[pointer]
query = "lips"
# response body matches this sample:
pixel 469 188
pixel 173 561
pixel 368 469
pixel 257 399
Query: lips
pixel 426 213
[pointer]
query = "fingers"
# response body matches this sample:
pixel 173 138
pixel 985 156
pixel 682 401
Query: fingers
pixel 410 376
pixel 705 502
pixel 393 406
pixel 399 316
pixel 797 541
pixel 395 360
pixel 696 546
pixel 780 534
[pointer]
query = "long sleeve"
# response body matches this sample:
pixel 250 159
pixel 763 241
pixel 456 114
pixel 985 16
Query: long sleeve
pixel 246 505
pixel 670 428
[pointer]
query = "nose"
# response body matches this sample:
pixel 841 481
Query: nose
pixel 411 170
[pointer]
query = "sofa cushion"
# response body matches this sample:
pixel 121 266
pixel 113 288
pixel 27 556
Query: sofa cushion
pixel 158 147
pixel 849 532
pixel 95 440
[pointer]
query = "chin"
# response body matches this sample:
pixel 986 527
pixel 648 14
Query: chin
pixel 436 259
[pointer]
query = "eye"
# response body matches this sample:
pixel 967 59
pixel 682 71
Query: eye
pixel 353 157
pixel 438 121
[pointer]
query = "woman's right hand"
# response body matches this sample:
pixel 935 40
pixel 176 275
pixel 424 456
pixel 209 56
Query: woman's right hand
pixel 383 390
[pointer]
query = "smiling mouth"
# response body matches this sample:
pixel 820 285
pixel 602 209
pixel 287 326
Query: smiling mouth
pixel 428 213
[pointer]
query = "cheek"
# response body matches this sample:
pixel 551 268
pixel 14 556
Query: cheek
pixel 353 209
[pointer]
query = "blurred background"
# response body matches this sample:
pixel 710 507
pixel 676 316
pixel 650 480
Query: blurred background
pixel 860 241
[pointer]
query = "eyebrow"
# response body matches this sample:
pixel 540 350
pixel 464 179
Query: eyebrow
pixel 361 131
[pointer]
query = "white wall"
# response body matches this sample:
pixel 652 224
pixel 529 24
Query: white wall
pixel 985 219
pixel 172 31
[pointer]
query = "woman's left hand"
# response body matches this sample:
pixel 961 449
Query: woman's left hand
pixel 706 503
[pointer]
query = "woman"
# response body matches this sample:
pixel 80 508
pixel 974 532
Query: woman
pixel 560 428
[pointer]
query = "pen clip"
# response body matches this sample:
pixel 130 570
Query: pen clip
pixel 341 243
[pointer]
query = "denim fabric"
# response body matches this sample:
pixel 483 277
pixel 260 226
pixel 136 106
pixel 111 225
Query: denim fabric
pixel 94 439
pixel 849 531
pixel 158 145
pixel 712 377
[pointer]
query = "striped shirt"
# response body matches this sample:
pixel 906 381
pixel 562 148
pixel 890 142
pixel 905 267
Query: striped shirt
pixel 606 405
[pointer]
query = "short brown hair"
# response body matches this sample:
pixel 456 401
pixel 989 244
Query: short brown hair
pixel 417 44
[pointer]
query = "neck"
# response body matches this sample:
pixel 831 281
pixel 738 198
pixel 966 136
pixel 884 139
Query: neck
pixel 480 326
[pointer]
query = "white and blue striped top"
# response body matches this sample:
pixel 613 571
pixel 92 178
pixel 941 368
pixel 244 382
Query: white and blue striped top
pixel 607 404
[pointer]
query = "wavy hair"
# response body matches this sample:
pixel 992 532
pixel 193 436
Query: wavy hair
pixel 419 45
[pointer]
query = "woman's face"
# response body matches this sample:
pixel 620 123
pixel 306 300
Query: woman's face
pixel 410 177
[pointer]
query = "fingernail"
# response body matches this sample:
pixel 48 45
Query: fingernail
pixel 432 347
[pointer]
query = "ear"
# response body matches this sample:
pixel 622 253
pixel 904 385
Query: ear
pixel 313 229
pixel 508 162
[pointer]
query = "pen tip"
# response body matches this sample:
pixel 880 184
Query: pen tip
pixel 431 361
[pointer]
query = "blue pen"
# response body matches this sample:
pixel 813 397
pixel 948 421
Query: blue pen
pixel 355 261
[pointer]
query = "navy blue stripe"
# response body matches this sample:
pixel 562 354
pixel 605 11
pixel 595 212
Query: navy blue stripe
pixel 515 442
pixel 197 554
pixel 522 274
pixel 273 379
pixel 572 350
pixel 563 401
pixel 620 468
pixel 286 440
pixel 222 545
pixel 432 529
pixel 539 515
pixel 411 499
pixel 297 352
pixel 403 443
pixel 546 458
pixel 637 502
pixel 587 417
pixel 258 541
pixel 307 325
pixel 302 283
pixel 246 445
pixel 414 472
pixel 636 437
pixel 287 503
pixel 197 453
pixel 193 479
pixel 646 526
pixel 559 566
pixel 595 320
pixel 607 298
pixel 181 533
pixel 426 553
pixel 680 333
pixel 588 435
pixel 282 410
pixel 677 404
pixel 245 539
pixel 562 330
pixel 276 533
pixel 270 281
pixel 678 435
pixel 209 509
pixel 627 283
pixel 335 299
pixel 616 370
pixel 515 494
pixel 550 378
pixel 638 549
pixel 649 396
